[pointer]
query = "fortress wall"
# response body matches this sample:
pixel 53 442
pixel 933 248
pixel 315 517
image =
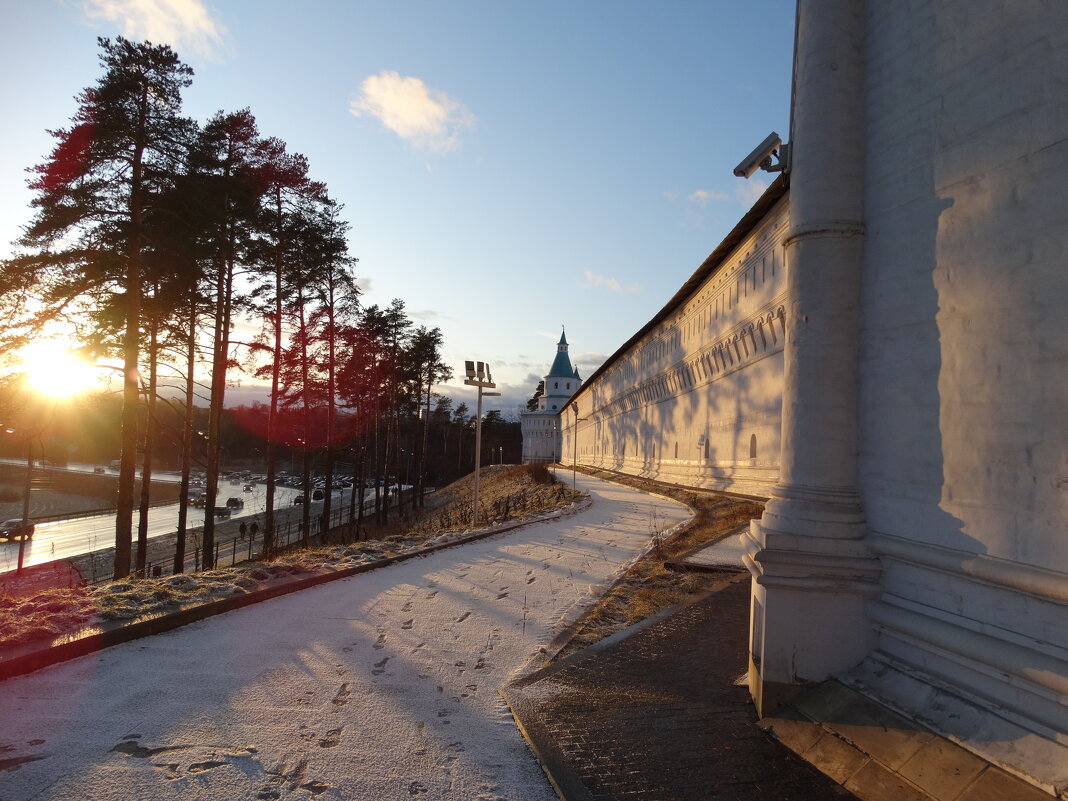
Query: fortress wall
pixel 963 403
pixel 696 399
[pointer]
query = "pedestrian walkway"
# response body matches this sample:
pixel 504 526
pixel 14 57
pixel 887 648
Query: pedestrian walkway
pixel 660 712
pixel 660 715
pixel 375 687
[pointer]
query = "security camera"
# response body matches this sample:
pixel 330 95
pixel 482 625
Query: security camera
pixel 760 158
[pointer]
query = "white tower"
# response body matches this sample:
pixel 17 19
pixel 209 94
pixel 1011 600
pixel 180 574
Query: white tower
pixel 541 428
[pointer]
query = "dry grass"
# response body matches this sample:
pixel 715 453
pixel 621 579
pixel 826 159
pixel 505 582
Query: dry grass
pixel 649 587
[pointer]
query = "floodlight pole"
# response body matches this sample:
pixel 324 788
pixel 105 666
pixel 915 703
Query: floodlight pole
pixel 478 376
pixel 26 502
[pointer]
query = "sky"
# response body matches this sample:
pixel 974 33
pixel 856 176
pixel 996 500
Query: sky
pixel 507 168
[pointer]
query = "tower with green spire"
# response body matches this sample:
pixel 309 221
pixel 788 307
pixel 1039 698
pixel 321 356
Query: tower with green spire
pixel 541 428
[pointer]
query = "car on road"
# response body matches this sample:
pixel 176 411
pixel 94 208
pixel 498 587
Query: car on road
pixel 98 470
pixel 16 528
pixel 248 488
pixel 317 495
pixel 299 499
pixel 234 502
pixel 222 511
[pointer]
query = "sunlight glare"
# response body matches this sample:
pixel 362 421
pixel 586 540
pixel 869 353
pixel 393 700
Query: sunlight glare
pixel 53 370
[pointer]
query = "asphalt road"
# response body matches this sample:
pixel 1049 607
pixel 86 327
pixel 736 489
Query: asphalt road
pixel 60 539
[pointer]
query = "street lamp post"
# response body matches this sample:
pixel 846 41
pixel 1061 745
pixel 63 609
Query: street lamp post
pixel 478 375
pixel 26 501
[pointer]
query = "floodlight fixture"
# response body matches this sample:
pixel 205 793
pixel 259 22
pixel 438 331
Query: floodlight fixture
pixel 469 368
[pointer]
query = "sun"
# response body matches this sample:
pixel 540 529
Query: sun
pixel 54 371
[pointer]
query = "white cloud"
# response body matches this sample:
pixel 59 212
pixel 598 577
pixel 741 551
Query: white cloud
pixel 365 285
pixel 704 196
pixel 604 281
pixel 429 315
pixel 428 118
pixel 179 23
pixel 748 191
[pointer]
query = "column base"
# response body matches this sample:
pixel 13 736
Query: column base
pixel 808 609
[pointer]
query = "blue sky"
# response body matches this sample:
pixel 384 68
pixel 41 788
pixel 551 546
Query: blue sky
pixel 507 167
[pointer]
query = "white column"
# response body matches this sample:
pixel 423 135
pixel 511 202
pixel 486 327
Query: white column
pixel 811 570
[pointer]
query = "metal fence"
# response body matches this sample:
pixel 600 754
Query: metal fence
pixel 230 551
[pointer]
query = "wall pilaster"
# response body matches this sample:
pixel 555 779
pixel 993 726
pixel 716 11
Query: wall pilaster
pixel 811 571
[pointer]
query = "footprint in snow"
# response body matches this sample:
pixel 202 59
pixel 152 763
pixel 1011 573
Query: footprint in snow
pixel 463 617
pixel 342 696
pixel 380 667
pixel 407 624
pixel 204 767
pixel 380 642
pixel 502 595
pixel 331 739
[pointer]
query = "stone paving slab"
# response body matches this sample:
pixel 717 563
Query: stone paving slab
pixel 724 554
pixel 882 756
pixel 657 715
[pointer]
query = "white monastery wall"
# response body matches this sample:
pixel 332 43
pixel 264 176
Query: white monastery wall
pixel 963 366
pixel 697 398
pixel 912 437
pixel 541 437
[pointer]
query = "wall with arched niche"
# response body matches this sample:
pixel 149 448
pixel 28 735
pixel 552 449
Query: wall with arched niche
pixel 695 397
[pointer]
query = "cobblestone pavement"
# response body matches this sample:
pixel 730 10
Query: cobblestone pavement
pixel 656 716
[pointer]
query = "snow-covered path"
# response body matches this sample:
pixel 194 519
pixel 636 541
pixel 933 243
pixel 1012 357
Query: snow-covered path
pixel 381 686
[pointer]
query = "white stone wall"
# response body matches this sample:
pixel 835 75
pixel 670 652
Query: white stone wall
pixel 541 437
pixel 698 399
pixel 963 371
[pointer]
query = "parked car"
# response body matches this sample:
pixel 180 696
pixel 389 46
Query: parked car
pixel 16 528
pixel 234 502
pixel 318 495
pixel 222 511
pixel 299 499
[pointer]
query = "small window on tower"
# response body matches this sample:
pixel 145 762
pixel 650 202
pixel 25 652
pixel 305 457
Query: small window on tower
pixel 556 385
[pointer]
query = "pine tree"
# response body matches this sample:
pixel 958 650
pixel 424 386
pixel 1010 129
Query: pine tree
pixel 94 194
